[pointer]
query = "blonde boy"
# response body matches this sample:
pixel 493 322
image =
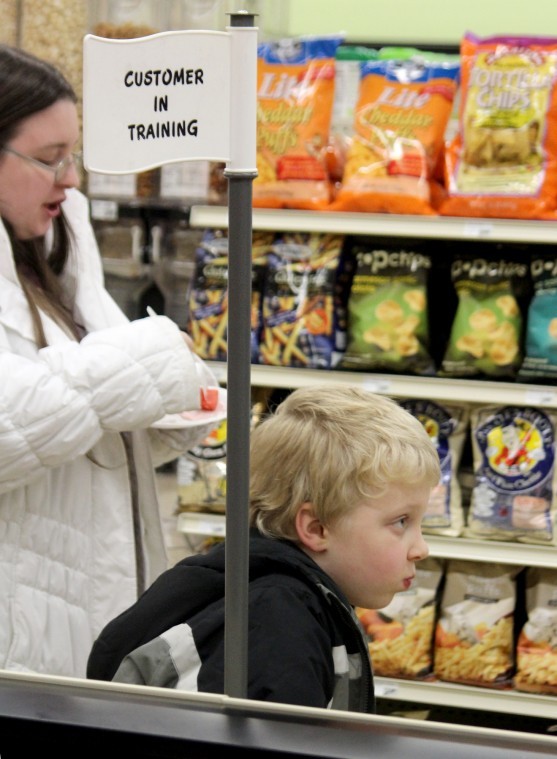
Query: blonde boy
pixel 340 481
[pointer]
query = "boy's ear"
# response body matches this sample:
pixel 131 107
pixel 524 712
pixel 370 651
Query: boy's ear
pixel 311 533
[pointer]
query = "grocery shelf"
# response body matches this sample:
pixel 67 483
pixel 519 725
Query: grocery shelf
pixel 200 523
pixel 376 224
pixel 492 551
pixel 467 697
pixel 402 386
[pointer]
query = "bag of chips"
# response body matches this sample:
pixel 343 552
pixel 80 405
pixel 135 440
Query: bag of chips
pixel 503 159
pixel 402 112
pixel 446 425
pixel 515 475
pixel 387 309
pixel 536 665
pixel 474 637
pixel 298 309
pixel 208 296
pixel 540 361
pixel 401 634
pixel 486 334
pixel 295 94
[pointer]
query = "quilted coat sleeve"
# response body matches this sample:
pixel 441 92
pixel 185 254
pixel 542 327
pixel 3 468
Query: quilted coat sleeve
pixel 120 378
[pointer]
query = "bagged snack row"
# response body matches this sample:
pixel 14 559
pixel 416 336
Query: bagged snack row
pixel 402 130
pixel 326 301
pixel 479 624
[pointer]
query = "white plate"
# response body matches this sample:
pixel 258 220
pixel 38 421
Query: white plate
pixel 194 418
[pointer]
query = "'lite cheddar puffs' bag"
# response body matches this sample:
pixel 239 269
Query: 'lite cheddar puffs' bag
pixel 503 159
pixel 295 94
pixel 400 119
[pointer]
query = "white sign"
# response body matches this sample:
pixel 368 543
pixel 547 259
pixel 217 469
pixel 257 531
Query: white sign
pixel 156 100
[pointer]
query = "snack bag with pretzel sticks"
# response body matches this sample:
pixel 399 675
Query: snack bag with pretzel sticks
pixel 502 161
pixel 403 108
pixel 474 636
pixel 401 634
pixel 536 665
pixel 447 425
pixel 298 302
pixel 295 94
pixel 387 310
pixel 208 297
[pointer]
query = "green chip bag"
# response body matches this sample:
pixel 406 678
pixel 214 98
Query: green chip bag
pixel 486 332
pixel 387 311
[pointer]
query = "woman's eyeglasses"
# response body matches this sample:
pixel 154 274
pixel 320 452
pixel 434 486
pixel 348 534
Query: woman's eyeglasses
pixel 59 169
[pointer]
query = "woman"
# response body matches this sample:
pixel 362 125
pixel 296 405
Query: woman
pixel 80 534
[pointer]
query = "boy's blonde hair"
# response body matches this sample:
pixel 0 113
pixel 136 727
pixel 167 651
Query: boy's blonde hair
pixel 333 446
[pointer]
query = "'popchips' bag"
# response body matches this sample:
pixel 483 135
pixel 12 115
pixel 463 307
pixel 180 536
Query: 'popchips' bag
pixel 540 361
pixel 388 326
pixel 503 159
pixel 486 331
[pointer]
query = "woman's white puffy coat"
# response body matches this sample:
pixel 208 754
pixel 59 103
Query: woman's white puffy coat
pixel 68 559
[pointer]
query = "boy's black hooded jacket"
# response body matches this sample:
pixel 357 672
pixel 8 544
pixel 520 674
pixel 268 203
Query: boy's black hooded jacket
pixel 305 644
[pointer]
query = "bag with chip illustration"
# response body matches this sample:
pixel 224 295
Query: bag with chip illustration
pixel 401 634
pixel 514 472
pixel 536 665
pixel 388 325
pixel 540 360
pixel 503 160
pixel 474 636
pixel 486 333
pixel 403 108
pixel 208 296
pixel 446 425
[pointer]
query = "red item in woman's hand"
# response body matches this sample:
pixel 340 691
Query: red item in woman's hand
pixel 209 398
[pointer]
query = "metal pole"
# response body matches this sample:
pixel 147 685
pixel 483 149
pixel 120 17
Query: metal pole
pixel 240 177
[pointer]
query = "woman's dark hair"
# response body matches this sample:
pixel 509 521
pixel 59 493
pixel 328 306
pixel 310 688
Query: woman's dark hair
pixel 28 85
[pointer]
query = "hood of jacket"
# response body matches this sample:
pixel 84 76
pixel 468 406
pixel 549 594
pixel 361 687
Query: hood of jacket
pixel 191 585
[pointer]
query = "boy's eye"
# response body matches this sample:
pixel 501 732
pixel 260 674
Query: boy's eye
pixel 401 522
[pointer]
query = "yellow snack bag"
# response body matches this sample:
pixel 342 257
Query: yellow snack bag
pixel 503 160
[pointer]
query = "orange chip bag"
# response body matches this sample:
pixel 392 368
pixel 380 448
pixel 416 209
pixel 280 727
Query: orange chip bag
pixel 295 94
pixel 400 119
pixel 503 160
